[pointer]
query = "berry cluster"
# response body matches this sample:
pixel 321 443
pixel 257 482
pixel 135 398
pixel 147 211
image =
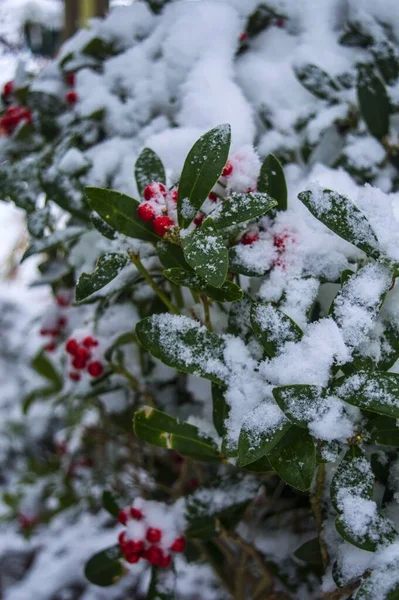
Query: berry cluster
pixel 141 540
pixel 13 117
pixel 71 97
pixel 81 353
pixel 249 238
pixel 281 242
pixel 158 207
pixel 56 321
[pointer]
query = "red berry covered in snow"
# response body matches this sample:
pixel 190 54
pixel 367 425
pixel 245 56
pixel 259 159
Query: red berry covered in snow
pixel 178 545
pixel 74 376
pixel 51 347
pixel 162 224
pixel 280 241
pixel 175 195
pixel 145 212
pixel 72 346
pixel 132 547
pixel 212 197
pixel 166 560
pixel 95 368
pixel 154 190
pixel 154 555
pixel 80 359
pixel 153 535
pixel 89 342
pixel 122 538
pixel 243 36
pixel 123 516
pixel 71 97
pixel 198 219
pixel 71 79
pixel 63 300
pixel 249 238
pixel 136 514
pixel 228 169
pixel 8 88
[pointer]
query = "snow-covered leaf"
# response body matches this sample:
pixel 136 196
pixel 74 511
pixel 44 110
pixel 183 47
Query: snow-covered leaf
pixel 161 429
pixel 239 208
pixel 220 408
pixel 272 181
pixel 148 168
pixel 171 256
pixel 353 475
pixel 300 403
pixel 58 238
pixel 107 268
pixel 162 584
pixel 317 81
pixel 273 328
pixel 255 442
pixel 377 392
pixel 206 252
pixel 103 227
pixel 203 166
pixel 294 458
pixel 228 292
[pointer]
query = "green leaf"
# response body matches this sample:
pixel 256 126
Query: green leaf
pixel 272 181
pixel 160 429
pixel 317 81
pixel 310 553
pixel 184 344
pixel 107 268
pixel 120 212
pixel 239 208
pixel 99 49
pixel 273 328
pixel 294 458
pixel 162 584
pixel 300 403
pixel 383 430
pixel 377 392
pixel 262 465
pixel 148 168
pixel 171 256
pixel 202 168
pixel 109 503
pixel 386 56
pixel 228 292
pixel 245 267
pixel 102 226
pixel 262 429
pixel 105 567
pixel 343 217
pixel 58 238
pixel 220 408
pixel 378 531
pixel 353 475
pixel 205 251
pixel 382 582
pixel 44 367
pixel 373 101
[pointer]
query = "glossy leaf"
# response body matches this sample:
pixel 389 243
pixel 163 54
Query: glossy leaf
pixel 299 402
pixel 343 217
pixel 148 168
pixel 239 208
pixel 377 392
pixel 120 212
pixel 228 292
pixel 58 238
pixel 373 101
pixel 294 458
pixel 353 475
pixel 310 553
pixel 105 568
pixel 220 409
pixel 109 503
pixel 102 226
pixel 171 256
pixel 107 268
pixel 202 168
pixel 44 367
pixel 383 430
pixel 272 181
pixel 317 81
pixel 272 327
pixel 379 531
pixel 206 252
pixel 161 429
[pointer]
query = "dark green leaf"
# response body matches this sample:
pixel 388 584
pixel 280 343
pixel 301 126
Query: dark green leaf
pixel 373 101
pixel 107 268
pixel 377 392
pixel 272 181
pixel 44 367
pixel 109 503
pixel 258 438
pixel 343 217
pixel 171 256
pixel 386 56
pixel 272 327
pixel 228 292
pixel 105 567
pixel 383 430
pixel 310 553
pixel 353 475
pixel 384 582
pixel 206 252
pixel 202 168
pixel 239 208
pixel 301 403
pixel 220 408
pixel 102 226
pixel 184 344
pixel 148 168
pixel 378 531
pixel 160 429
pixel 98 48
pixel 262 465
pixel 120 212
pixel 316 81
pixel 294 458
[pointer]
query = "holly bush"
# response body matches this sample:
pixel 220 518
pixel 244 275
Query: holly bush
pixel 215 379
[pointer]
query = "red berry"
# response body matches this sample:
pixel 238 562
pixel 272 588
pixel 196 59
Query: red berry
pixel 243 36
pixel 135 513
pixel 153 535
pixel 212 197
pixel 228 169
pixel 74 376
pixel 249 238
pixel 145 212
pixel 280 241
pixel 62 322
pixel 45 332
pixel 122 517
pixel 71 79
pixel 175 194
pixel 166 560
pixel 95 368
pixel 122 538
pixel 133 558
pixel 81 358
pixel 198 219
pixel 89 342
pixel 154 555
pixel 62 300
pixel 54 332
pixel 72 347
pixel 178 545
pixel 153 190
pixel 132 547
pixel 71 97
pixel 280 22
pixel 8 88
pixel 162 224
pixel 51 347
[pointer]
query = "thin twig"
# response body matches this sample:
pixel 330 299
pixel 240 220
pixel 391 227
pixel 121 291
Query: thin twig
pixel 207 313
pixel 160 293
pixel 316 504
